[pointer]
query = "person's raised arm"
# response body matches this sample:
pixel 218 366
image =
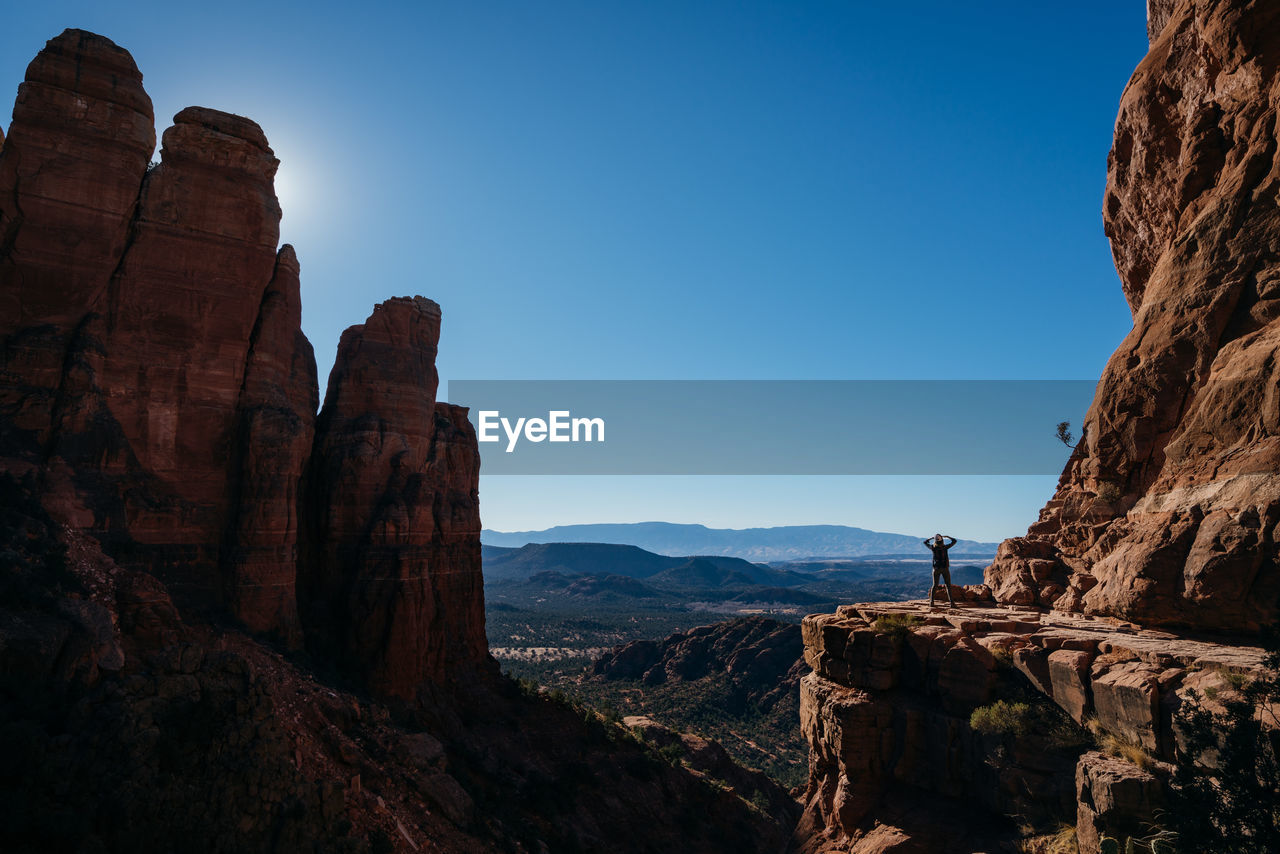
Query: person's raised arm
pixel 928 544
pixel 952 539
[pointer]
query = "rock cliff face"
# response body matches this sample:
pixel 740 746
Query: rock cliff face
pixel 156 378
pixel 74 160
pixel 888 714
pixel 1051 707
pixel 395 515
pixel 1169 510
pixel 276 415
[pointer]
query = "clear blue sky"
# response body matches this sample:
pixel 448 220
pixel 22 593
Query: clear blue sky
pixel 711 190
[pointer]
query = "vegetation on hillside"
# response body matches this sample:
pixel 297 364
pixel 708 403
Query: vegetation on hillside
pixel 557 650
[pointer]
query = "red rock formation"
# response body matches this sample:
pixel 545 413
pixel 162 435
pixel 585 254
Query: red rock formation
pixel 157 394
pixel 887 708
pixel 70 170
pixel 1169 510
pixel 178 321
pixel 78 146
pixel 277 417
pixel 156 377
pixel 131 297
pixel 393 587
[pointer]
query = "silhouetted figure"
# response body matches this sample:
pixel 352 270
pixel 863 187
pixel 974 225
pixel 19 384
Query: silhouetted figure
pixel 941 565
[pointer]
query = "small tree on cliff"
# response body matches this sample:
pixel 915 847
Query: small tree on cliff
pixel 1226 790
pixel 1063 432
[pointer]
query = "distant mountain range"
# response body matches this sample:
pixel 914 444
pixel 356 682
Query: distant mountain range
pixel 792 542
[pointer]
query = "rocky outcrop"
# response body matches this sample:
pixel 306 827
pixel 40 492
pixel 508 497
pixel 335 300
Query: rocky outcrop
pixel 1166 515
pixel 159 423
pixel 70 173
pixel 758 654
pixel 178 322
pixel 1158 14
pixel 276 415
pixel 1168 512
pixel 393 584
pixel 153 367
pixel 908 705
pixel 736 681
pixel 76 152
pixel 1115 797
pixel 156 377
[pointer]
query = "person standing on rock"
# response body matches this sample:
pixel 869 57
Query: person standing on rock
pixel 941 565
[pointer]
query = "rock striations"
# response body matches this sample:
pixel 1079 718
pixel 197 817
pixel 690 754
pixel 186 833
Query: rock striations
pixel 895 750
pixel 156 378
pixel 395 516
pixel 1169 510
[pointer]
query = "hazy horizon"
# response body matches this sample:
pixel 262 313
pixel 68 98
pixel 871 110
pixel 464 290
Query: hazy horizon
pixel 878 503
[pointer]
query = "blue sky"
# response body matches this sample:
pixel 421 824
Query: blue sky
pixel 674 190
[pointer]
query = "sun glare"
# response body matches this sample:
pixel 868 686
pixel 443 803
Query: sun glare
pixel 289 191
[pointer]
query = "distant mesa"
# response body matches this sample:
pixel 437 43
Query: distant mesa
pixel 793 542
pixel 629 561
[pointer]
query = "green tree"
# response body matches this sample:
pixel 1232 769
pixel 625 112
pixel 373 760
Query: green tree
pixel 1063 432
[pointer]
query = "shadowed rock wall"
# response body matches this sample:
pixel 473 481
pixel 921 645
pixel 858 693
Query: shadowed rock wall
pixel 154 374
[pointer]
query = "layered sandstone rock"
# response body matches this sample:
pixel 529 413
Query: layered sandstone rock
pixel 158 398
pixel 1115 797
pixel 77 150
pixel 133 376
pixel 70 173
pixel 154 375
pixel 887 714
pixel 1169 510
pixel 393 586
pixel 179 319
pixel 276 414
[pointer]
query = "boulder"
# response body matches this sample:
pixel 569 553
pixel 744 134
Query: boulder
pixel 1069 676
pixel 1114 798
pixel 1126 698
